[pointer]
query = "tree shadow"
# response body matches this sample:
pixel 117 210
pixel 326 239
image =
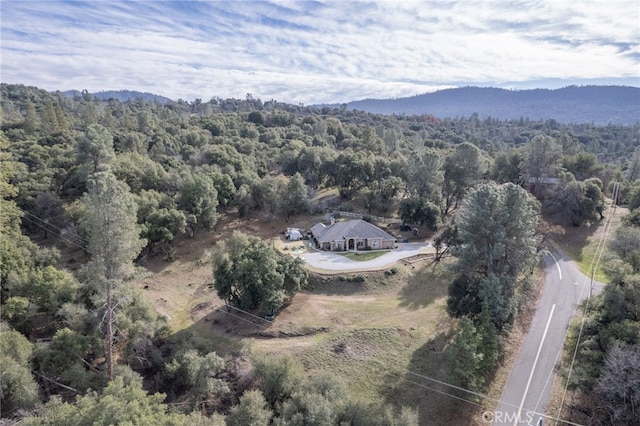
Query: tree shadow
pixel 417 386
pixel 425 286
pixel 573 240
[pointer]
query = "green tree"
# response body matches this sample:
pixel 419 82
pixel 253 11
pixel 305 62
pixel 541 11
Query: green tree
pixel 293 198
pixel 462 170
pixel 506 167
pixel 198 375
pixel 349 171
pixel 465 357
pixel 95 146
pixel 18 390
pixel 419 211
pixel 251 411
pixel 65 360
pixel 542 158
pixel 626 246
pixel 161 227
pixel 119 403
pixel 582 165
pixel 381 194
pixel 199 199
pixel 250 274
pixel 280 379
pixel 30 119
pixel 113 240
pixel 497 247
pixel 424 176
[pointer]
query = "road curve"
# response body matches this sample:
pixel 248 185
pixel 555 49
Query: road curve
pixel 529 386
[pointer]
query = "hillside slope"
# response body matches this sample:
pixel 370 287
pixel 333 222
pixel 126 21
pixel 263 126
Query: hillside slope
pixel 573 104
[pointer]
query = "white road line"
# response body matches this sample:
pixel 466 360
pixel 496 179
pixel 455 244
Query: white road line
pixel 557 264
pixel 533 369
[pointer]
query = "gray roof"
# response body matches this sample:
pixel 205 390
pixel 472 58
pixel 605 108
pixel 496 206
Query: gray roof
pixel 358 228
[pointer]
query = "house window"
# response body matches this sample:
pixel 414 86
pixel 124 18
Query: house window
pixel 375 244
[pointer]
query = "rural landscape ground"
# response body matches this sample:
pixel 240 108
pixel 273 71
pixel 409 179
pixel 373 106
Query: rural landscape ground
pixel 380 335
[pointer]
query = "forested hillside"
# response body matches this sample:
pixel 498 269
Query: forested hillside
pixel 587 104
pixel 82 169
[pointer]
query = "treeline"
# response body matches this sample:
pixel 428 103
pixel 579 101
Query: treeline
pixel 168 169
pixel 603 366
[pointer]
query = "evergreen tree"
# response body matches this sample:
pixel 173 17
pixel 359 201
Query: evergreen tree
pixel 95 146
pixel 496 249
pixel 113 240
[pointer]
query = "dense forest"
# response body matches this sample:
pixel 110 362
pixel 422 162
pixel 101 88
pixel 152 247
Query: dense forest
pixel 122 180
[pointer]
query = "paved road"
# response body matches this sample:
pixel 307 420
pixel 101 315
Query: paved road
pixel 334 262
pixel 529 385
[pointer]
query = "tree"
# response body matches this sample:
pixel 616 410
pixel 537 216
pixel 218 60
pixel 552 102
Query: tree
pixel 48 208
pixel 18 390
pixel 95 146
pixel 251 411
pixel 280 378
pixel 119 403
pixel 617 392
pixel 419 211
pixel 250 274
pixel 199 199
pixel 465 357
pixel 113 240
pixel 424 176
pixel 582 165
pixel 350 171
pixel 381 194
pixel 497 247
pixel 462 169
pixel 198 375
pixel 506 167
pixel 161 227
pixel 30 119
pixel 542 158
pixel 627 246
pixel 294 199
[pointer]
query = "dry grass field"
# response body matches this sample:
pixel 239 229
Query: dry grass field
pixel 374 334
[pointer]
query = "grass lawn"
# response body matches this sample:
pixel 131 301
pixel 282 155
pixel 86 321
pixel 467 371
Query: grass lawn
pixel 582 243
pixel 364 255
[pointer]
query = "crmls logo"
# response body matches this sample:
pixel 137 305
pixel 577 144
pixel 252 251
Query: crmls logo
pixel 511 418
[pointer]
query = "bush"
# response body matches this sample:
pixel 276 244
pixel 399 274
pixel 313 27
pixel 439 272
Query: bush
pixel 391 271
pixel 356 279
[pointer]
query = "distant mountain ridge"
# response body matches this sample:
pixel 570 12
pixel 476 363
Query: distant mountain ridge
pixel 121 95
pixel 573 104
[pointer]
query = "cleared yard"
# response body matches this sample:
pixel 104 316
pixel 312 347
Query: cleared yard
pixel 371 333
pixel 364 256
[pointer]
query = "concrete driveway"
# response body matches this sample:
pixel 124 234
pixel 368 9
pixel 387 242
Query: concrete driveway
pixel 334 262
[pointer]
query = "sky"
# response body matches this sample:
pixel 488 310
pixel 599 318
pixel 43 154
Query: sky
pixel 321 51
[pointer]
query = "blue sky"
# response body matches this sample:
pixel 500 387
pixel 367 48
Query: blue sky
pixel 317 51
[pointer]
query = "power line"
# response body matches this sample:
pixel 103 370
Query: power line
pixel 479 394
pixel 594 264
pixel 44 225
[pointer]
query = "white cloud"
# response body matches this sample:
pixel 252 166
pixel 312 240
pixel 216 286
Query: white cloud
pixel 310 52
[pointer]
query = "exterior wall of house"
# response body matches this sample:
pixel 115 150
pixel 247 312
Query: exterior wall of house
pixel 388 244
pixel 374 243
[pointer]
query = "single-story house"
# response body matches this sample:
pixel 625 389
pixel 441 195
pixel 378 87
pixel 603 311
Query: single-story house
pixel 351 235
